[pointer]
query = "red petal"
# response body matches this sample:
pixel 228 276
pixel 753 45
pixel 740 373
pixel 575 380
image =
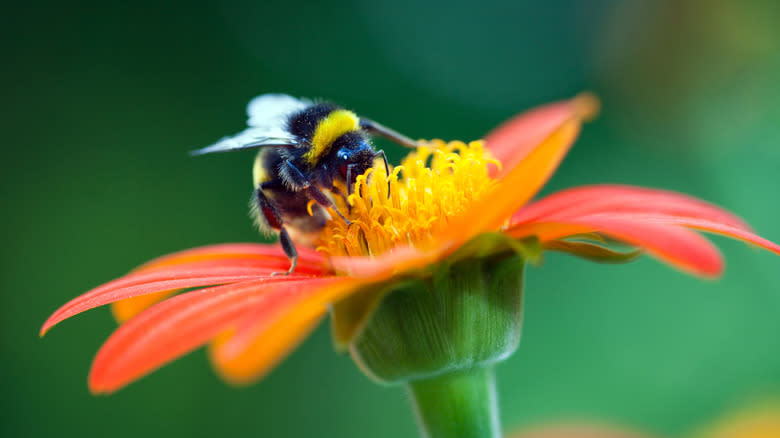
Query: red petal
pixel 275 264
pixel 252 251
pixel 585 209
pixel 513 140
pixel 146 282
pixel 677 246
pixel 586 200
pixel 219 264
pixel 125 309
pixel 708 225
pixel 184 322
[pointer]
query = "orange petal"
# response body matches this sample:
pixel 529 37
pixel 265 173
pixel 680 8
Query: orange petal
pixel 267 334
pixel 269 347
pixel 511 142
pixel 125 309
pixel 677 246
pixel 398 260
pixel 516 188
pixel 180 324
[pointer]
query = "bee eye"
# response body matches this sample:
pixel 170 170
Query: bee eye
pixel 344 161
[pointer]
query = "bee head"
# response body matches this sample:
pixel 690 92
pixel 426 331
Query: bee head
pixel 354 158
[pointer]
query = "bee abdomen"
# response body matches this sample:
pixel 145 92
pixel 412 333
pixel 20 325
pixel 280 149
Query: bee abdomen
pixel 292 210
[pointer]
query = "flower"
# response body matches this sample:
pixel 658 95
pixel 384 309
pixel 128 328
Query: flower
pixel 759 421
pixel 755 421
pixel 577 430
pixel 445 201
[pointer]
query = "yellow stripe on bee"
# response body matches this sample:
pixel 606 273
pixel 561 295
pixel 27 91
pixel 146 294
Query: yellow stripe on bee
pixel 259 174
pixel 336 124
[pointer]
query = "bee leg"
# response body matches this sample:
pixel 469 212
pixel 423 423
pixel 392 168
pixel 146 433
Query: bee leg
pixel 349 178
pixel 344 197
pixel 373 127
pixel 289 251
pixel 274 219
pixel 323 200
pixel 298 179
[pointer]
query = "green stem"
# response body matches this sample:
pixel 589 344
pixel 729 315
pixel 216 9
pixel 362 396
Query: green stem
pixel 461 404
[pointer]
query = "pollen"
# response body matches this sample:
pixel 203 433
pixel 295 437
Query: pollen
pixel 436 182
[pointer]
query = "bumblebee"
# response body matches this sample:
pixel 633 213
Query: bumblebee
pixel 305 149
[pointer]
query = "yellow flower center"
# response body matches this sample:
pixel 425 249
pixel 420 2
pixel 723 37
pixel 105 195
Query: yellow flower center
pixel 413 203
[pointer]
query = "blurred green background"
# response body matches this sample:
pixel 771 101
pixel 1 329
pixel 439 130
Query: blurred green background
pixel 102 100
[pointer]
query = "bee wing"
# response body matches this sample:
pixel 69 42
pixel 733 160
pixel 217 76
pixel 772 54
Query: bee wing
pixel 268 115
pixel 251 138
pixel 271 110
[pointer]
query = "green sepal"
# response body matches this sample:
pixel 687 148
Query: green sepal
pixel 467 315
pixel 348 316
pixel 592 252
pixel 488 244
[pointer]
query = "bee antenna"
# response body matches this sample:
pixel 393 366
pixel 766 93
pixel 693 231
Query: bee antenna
pixel 381 153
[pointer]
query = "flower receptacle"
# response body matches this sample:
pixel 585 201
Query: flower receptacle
pixel 467 315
